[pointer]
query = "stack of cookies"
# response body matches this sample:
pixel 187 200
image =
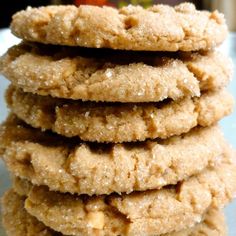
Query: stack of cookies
pixel 112 129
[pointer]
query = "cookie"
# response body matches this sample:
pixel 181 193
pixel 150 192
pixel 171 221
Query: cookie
pixel 18 222
pixel 140 213
pixel 118 122
pixel 114 77
pixel 158 28
pixel 68 165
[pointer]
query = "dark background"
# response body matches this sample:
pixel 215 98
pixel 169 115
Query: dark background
pixel 7 9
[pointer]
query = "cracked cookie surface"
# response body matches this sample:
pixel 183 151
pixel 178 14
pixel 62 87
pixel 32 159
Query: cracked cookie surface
pixel 120 77
pixel 18 222
pixel 158 28
pixel 118 122
pixel 140 213
pixel 68 165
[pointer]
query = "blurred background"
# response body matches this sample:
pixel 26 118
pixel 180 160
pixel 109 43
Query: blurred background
pixel 228 7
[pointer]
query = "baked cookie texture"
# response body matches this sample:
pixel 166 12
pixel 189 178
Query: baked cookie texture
pixel 140 213
pixel 68 165
pixel 158 28
pixel 114 78
pixel 114 122
pixel 18 222
pixel 117 142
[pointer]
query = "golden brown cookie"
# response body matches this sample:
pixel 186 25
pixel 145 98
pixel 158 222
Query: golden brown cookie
pixel 114 76
pixel 158 28
pixel 140 213
pixel 68 165
pixel 18 222
pixel 118 122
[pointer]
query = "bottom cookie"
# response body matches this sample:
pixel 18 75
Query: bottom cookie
pixel 156 212
pixel 18 222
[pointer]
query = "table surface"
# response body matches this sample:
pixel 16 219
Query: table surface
pixel 228 124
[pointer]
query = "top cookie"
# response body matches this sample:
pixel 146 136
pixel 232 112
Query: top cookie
pixel 158 28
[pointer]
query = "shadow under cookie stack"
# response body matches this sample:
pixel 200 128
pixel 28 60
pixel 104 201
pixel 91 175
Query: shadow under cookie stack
pixel 112 129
